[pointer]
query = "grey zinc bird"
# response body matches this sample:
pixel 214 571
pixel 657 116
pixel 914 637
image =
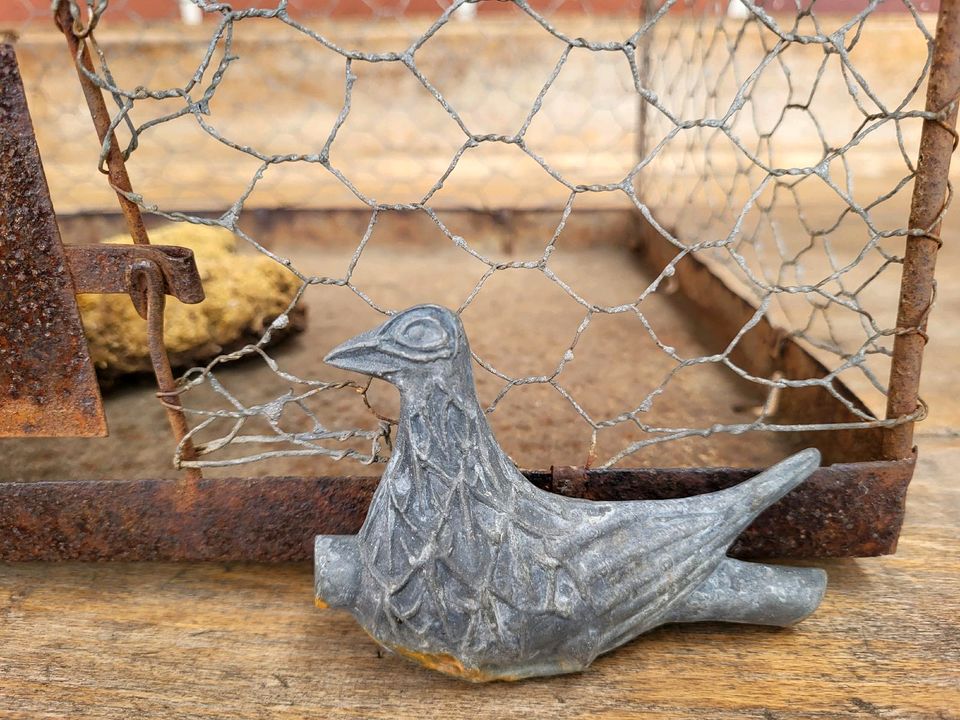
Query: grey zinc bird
pixel 466 567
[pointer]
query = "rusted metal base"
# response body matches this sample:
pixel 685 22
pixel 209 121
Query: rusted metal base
pixel 843 510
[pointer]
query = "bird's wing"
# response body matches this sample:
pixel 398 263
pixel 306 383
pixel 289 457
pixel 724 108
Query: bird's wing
pixel 435 522
pixel 629 562
pixel 625 562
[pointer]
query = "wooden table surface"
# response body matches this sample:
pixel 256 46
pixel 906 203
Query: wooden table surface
pixel 210 641
pixel 244 641
pixel 155 640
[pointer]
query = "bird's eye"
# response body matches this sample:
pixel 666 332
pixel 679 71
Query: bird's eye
pixel 423 334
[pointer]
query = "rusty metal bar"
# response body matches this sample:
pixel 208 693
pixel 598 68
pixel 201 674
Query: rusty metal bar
pixel 106 269
pixel 930 194
pixel 116 169
pixel 147 282
pixel 841 511
pixel 147 273
pixel 148 292
pixel 47 382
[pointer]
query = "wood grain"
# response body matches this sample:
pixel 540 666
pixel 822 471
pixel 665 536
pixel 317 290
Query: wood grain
pixel 213 641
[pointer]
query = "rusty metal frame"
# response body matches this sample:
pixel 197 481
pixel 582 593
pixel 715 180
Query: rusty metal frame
pixel 843 510
pixel 105 269
pixel 144 277
pixel 116 168
pixel 851 507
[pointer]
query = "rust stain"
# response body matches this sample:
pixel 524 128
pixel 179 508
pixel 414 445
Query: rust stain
pixel 47 382
pixel 448 665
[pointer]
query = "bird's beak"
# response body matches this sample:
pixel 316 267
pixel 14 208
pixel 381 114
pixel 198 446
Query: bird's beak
pixel 362 354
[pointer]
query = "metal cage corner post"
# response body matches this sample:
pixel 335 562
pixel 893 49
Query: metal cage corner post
pixel 846 509
pixel 931 195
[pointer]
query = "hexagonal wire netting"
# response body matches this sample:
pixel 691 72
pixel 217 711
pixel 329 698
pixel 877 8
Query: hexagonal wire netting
pixel 757 138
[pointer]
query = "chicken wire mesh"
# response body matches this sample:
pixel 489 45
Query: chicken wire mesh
pixel 748 136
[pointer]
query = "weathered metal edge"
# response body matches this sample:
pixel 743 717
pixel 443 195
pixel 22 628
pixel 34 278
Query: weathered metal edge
pixel 843 510
pixel 47 383
pixel 104 268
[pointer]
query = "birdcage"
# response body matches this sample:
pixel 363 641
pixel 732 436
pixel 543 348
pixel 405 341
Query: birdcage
pixel 674 231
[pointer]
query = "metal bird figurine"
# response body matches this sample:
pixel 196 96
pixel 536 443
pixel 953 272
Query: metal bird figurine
pixel 466 567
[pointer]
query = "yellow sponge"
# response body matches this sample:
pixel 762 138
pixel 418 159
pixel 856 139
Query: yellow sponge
pixel 244 293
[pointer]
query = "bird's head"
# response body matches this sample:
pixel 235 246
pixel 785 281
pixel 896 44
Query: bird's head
pixel 422 340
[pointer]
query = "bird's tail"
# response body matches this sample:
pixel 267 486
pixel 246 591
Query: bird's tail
pixel 752 593
pixel 752 497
